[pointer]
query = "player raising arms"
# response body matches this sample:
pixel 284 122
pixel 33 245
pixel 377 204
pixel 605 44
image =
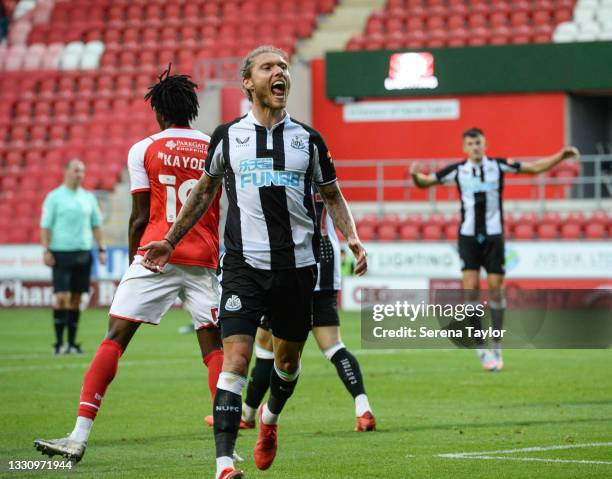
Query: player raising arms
pixel 163 170
pixel 480 181
pixel 269 162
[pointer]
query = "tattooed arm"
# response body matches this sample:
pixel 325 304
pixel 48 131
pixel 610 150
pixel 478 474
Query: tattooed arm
pixel 159 252
pixel 338 209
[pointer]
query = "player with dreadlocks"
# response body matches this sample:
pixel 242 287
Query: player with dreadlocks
pixel 163 168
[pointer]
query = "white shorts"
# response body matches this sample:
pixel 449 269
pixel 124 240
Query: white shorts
pixel 144 296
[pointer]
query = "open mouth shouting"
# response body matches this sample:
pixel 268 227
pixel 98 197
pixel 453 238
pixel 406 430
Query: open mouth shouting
pixel 279 89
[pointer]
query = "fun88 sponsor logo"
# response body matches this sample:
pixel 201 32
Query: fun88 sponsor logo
pixel 258 172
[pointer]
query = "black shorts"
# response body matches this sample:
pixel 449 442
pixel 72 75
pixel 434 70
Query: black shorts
pixel 489 254
pixel 72 271
pixel 284 296
pixel 324 310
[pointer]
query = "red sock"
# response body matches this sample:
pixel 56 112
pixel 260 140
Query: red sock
pixel 214 362
pixel 101 372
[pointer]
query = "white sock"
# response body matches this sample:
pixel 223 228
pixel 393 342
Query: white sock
pixel 362 405
pixel 267 417
pixel 82 429
pixel 481 351
pixel 248 413
pixel 223 462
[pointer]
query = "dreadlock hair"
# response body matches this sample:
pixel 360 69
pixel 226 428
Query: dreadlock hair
pixel 174 98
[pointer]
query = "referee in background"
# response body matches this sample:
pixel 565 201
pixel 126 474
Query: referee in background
pixel 70 221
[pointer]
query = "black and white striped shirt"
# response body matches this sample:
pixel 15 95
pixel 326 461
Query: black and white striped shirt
pixel 329 252
pixel 269 175
pixel 480 187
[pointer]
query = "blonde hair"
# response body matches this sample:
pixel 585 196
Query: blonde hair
pixel 247 63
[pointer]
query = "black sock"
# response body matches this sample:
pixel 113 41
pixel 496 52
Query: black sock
pixel 258 382
pixel 226 414
pixel 72 316
pixel 497 321
pixel 349 371
pixel 280 392
pixel 59 321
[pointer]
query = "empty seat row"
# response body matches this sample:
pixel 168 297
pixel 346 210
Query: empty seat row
pixel 74 56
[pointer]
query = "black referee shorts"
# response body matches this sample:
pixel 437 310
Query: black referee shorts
pixel 72 271
pixel 489 254
pixel 283 296
pixel 324 310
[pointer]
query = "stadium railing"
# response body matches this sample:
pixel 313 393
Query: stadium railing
pixel 381 181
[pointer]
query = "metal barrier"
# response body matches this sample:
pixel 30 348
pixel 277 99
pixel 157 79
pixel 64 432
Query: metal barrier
pixel 590 178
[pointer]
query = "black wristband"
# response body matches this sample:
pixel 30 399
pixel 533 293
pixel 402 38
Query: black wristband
pixel 170 243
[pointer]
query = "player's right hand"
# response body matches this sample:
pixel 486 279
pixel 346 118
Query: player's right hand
pixel 48 259
pixel 415 168
pixel 361 257
pixel 157 255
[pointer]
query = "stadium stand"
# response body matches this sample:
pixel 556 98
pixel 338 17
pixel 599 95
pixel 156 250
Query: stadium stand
pixel 74 74
pixel 525 226
pixel 437 23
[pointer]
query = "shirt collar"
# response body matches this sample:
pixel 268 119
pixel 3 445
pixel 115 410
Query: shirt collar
pixel 251 118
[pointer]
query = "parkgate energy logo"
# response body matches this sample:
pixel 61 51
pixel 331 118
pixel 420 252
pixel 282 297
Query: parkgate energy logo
pixel 411 71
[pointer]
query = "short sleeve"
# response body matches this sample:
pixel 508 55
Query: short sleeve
pixel 139 179
pixel 447 174
pixel 96 215
pixel 324 171
pixel 508 166
pixel 215 165
pixel 48 212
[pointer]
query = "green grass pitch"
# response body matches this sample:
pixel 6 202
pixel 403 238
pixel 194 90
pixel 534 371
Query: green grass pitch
pixel 427 403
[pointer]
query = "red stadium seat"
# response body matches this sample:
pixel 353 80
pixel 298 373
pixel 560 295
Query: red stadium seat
pixel 391 219
pixel 600 217
pixel 547 231
pixel 521 34
pixel 576 217
pixel 387 232
pixel 523 232
pixel 542 33
pixel 432 232
pixel 409 232
pixel 456 21
pixel 479 36
pixel 457 37
pixel 595 231
pixel 366 232
pixel 451 231
pixel 571 231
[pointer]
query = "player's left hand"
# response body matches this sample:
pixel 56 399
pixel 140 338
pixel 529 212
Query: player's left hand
pixel 361 256
pixel 570 152
pixel 157 255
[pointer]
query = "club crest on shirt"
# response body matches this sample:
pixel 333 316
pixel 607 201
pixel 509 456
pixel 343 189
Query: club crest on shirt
pixel 298 143
pixel 233 303
pixel 243 141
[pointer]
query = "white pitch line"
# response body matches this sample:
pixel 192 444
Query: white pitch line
pixel 487 454
pixel 532 449
pixel 537 459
